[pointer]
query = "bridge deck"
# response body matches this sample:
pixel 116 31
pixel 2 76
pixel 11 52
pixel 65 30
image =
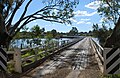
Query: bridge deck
pixel 76 61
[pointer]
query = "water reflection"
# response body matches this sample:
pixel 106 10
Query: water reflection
pixel 25 43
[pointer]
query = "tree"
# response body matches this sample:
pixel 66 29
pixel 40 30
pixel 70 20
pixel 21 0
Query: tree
pixel 73 31
pixel 42 32
pixel 36 31
pixel 24 32
pixel 49 35
pixel 55 11
pixel 110 10
pixel 101 33
pixel 54 33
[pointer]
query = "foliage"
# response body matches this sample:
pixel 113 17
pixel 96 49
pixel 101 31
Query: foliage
pixel 36 31
pixel 54 10
pixel 73 31
pixel 49 35
pixel 54 33
pixel 112 76
pixel 110 10
pixel 101 33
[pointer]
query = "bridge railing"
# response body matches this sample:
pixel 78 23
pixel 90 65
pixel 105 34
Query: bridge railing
pixel 22 61
pixel 98 51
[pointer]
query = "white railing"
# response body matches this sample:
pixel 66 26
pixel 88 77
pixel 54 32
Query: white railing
pixel 98 51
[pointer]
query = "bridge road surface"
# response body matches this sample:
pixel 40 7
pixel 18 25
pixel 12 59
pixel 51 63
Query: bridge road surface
pixel 74 58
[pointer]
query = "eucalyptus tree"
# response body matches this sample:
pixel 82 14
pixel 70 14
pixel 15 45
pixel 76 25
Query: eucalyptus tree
pixel 36 31
pixel 73 31
pixel 110 9
pixel 54 33
pixel 101 33
pixel 54 11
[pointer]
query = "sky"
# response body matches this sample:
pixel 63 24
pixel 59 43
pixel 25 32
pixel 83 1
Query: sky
pixel 85 16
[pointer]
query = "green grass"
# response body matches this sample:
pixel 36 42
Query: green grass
pixel 112 76
pixel 10 68
pixel 29 53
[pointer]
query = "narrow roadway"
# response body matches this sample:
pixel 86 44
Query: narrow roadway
pixel 72 61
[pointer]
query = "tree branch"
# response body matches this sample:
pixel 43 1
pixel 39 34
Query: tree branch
pixel 21 18
pixel 12 15
pixel 112 7
pixel 26 7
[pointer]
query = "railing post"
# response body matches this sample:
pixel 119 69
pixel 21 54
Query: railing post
pixel 17 60
pixel 36 54
pixel 58 44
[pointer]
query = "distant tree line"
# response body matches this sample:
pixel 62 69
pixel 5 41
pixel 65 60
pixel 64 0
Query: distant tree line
pixel 37 32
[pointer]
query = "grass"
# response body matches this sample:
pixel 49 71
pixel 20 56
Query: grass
pixel 10 68
pixel 29 53
pixel 112 76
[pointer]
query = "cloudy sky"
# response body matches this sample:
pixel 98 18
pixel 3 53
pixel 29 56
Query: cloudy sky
pixel 85 15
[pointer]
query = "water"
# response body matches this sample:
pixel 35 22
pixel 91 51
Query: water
pixel 96 40
pixel 20 43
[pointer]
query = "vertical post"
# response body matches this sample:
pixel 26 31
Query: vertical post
pixel 3 63
pixel 57 44
pixel 53 46
pixel 17 61
pixel 36 54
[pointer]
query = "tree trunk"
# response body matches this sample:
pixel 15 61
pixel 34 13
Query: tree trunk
pixel 114 39
pixel 4 36
pixel 5 40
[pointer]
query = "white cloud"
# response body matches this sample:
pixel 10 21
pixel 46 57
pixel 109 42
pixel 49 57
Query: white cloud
pixel 88 23
pixel 84 13
pixel 73 19
pixel 100 24
pixel 35 22
pixel 85 19
pixel 93 5
pixel 118 10
pixel 81 22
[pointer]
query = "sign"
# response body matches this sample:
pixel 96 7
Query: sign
pixel 3 60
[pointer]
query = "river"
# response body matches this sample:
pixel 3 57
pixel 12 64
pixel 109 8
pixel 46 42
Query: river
pixel 20 43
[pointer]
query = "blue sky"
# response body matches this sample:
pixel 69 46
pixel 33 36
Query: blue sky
pixel 85 15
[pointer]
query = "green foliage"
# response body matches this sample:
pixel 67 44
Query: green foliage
pixel 112 76
pixel 54 33
pixel 110 10
pixel 49 35
pixel 101 33
pixel 10 68
pixel 28 53
pixel 36 31
pixel 73 31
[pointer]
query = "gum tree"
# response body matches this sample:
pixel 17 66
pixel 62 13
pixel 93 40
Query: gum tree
pixel 110 9
pixel 54 11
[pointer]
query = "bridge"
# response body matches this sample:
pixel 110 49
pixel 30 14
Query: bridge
pixel 80 58
pixel 72 36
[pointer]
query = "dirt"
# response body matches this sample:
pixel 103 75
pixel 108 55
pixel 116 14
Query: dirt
pixel 60 73
pixel 92 70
